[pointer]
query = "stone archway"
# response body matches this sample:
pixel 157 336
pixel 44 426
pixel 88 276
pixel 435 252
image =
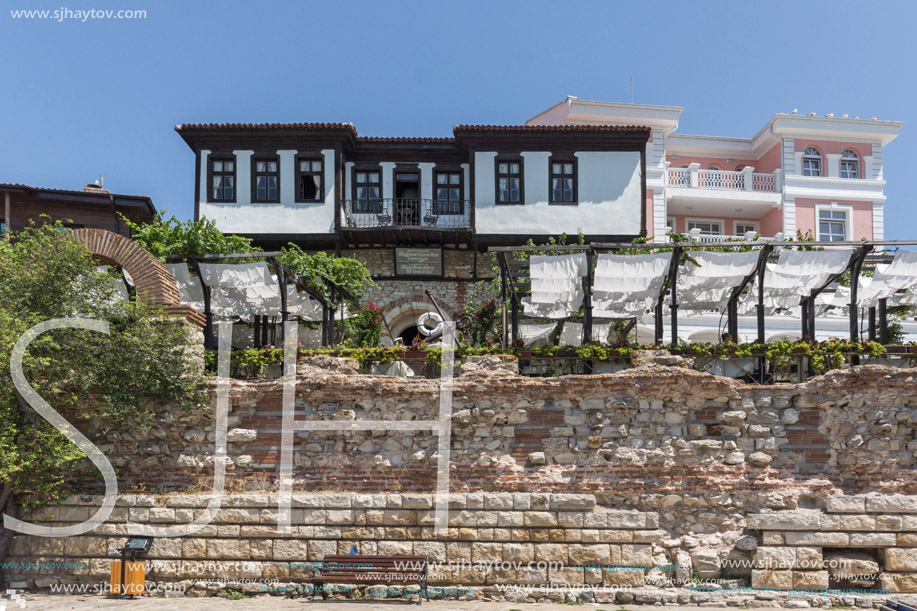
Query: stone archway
pixel 154 283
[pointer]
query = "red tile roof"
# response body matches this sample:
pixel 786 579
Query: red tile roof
pixel 403 140
pixel 550 128
pixel 13 186
pixel 205 126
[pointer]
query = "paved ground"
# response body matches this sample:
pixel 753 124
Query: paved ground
pixel 35 602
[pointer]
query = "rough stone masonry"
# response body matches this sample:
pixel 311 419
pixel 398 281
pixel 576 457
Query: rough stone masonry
pixel 680 474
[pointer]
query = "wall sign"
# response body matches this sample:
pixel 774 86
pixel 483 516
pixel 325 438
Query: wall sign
pixel 418 261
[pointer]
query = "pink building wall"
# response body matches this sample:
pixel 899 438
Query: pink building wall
pixel 772 223
pixel 728 223
pixel 649 212
pixel 835 148
pixel 770 161
pixel 862 216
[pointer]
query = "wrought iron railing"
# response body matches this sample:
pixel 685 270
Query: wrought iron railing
pixel 426 213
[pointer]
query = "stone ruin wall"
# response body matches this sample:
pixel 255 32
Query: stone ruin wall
pixel 656 465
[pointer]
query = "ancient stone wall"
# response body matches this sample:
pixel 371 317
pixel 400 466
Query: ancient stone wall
pixel 730 480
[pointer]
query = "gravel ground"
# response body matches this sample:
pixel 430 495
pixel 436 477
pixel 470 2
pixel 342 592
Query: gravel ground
pixel 87 603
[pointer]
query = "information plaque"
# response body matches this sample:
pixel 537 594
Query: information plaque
pixel 418 262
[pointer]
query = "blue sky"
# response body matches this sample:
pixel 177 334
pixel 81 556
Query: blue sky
pixel 80 99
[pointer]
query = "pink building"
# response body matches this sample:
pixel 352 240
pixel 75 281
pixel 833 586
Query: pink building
pixel 798 173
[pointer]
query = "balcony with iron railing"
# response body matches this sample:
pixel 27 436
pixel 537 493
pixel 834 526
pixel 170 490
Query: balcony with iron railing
pixel 692 177
pixel 406 213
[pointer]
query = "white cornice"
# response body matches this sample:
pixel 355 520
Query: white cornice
pixel 831 128
pixel 820 187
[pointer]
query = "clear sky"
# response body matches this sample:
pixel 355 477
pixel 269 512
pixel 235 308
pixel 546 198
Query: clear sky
pixel 79 99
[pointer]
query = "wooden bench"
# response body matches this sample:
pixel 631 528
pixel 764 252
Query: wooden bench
pixel 371 570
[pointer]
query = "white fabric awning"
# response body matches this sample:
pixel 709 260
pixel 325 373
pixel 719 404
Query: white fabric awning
pixel 628 285
pixel 901 274
pixel 709 285
pixel 557 288
pixel 572 333
pixel 534 335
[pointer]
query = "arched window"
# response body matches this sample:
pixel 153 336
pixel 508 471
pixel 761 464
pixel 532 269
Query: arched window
pixel 850 164
pixel 739 168
pixel 811 162
pixel 713 167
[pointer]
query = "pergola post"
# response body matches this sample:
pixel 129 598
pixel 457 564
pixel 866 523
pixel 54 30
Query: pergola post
pixel 872 323
pixel 855 268
pixel 257 324
pixel 673 278
pixel 804 318
pixel 209 339
pixel 503 314
pixel 883 321
pixel 587 300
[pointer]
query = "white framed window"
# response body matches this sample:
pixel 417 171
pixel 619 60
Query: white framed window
pixel 706 226
pixel 850 164
pixel 833 223
pixel 811 162
pixel 743 227
pixel 670 223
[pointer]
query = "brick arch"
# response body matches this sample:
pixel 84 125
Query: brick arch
pixel 154 283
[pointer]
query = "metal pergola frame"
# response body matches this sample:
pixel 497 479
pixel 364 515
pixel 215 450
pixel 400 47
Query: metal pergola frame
pixel 285 276
pixel 508 284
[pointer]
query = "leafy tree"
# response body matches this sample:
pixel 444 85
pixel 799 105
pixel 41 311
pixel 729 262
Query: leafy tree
pixel 45 274
pixel 346 272
pixel 175 237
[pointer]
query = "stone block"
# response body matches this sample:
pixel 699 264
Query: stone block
pixel 626 519
pixel 785 520
pixel 896 503
pixel 519 552
pixel 590 535
pixel 572 502
pixel 565 576
pixel 775 558
pixel 589 555
pixel 773 538
pixel 781 580
pixel 163 547
pixel 570 519
pixel 510 519
pixel 551 552
pixel 845 504
pixel 623 577
pixel 907 540
pixel 637 555
pixel 262 549
pixel 194 548
pixel 228 548
pixel 847 522
pixel 486 552
pixel 889 523
pixel 898 559
pixel 500 501
pixel 810 580
pixel 809 558
pixel 818 538
pixel 416 501
pixel 487 518
pixel 868 539
pixel 899 582
pixel 540 519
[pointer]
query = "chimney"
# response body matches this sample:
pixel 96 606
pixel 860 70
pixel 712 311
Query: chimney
pixel 96 187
